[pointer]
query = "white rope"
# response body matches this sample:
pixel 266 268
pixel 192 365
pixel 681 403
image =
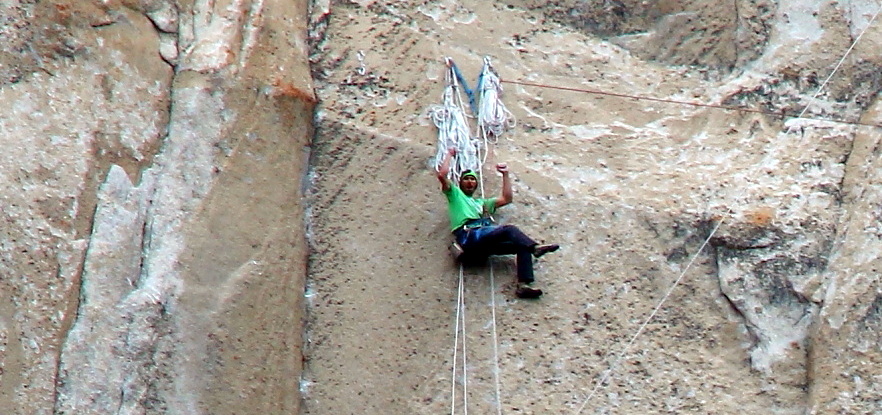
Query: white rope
pixel 455 345
pixel 493 117
pixel 648 319
pixel 453 132
pixel 484 132
pixel 459 327
pixel 465 373
pixel 836 68
pixel 495 343
pixel 453 129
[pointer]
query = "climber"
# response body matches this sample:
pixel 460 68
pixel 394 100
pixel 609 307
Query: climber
pixel 473 229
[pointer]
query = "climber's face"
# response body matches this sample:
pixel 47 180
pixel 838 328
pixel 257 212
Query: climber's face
pixel 468 183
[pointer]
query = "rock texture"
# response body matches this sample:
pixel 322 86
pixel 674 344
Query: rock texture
pixel 678 32
pixel 779 312
pixel 153 251
pixel 227 207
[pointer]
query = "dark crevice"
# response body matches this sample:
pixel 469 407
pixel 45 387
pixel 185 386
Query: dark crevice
pixel 736 245
pixel 316 33
pixel 747 239
pixel 733 307
pixel 161 142
pixel 849 170
pixel 102 23
pixel 122 398
pixel 145 242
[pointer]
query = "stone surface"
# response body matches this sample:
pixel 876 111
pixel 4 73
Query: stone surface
pixel 775 315
pixel 153 251
pixel 167 200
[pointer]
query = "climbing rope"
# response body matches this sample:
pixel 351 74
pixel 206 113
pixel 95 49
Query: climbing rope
pixel 459 327
pixel 627 347
pixel 453 132
pixel 836 68
pixel 493 117
pixel 453 128
pixel 495 343
pixel 780 114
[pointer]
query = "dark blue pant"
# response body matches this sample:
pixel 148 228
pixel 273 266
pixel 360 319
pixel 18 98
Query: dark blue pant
pixel 500 240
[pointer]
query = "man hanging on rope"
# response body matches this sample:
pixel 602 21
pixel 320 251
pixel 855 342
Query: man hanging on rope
pixel 474 230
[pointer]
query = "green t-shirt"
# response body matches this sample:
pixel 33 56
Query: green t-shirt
pixel 461 208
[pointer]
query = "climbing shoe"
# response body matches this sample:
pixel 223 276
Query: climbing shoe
pixel 526 291
pixel 540 250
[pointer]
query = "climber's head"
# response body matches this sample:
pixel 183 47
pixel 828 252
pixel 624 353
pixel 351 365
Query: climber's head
pixel 468 182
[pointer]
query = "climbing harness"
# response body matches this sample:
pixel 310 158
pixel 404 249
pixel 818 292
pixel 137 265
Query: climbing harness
pixel 492 119
pixel 453 132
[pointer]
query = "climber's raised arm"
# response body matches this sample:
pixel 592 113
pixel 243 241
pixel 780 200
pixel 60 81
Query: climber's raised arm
pixel 444 169
pixel 506 196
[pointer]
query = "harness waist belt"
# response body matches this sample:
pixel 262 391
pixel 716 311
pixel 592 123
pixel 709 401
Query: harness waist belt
pixel 476 223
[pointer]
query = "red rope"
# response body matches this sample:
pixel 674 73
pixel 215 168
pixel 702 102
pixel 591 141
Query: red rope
pixel 694 104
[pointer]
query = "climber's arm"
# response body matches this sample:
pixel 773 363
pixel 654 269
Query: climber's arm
pixel 444 169
pixel 506 196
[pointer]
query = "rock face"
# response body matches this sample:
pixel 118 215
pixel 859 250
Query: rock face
pixel 172 184
pixel 681 32
pixel 779 312
pixel 153 250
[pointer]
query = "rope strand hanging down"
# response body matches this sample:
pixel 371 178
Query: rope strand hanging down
pixel 493 118
pixel 453 132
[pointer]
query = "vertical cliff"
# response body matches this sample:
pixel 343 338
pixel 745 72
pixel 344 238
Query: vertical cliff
pixel 178 202
pixel 777 314
pixel 153 251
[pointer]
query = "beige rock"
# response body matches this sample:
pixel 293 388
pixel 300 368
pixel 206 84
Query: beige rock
pixel 169 218
pixel 181 292
pixel 630 188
